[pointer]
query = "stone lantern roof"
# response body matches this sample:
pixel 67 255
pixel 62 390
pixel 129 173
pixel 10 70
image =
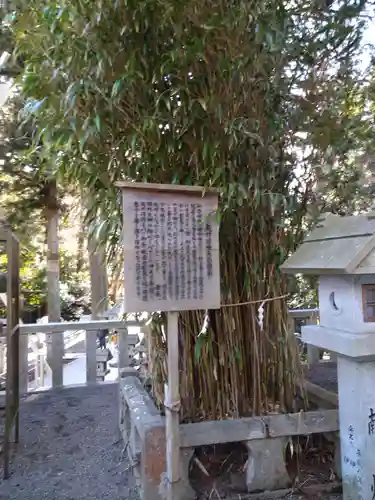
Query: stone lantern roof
pixel 338 245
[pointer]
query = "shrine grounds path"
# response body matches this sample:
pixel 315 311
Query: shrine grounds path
pixel 69 448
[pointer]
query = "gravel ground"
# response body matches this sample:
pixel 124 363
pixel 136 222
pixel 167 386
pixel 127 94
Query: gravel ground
pixel 69 448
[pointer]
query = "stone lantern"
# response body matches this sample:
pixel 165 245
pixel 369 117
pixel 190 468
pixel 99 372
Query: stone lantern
pixel 341 251
pixel 101 363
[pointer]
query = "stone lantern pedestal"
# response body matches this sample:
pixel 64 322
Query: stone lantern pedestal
pixel 356 383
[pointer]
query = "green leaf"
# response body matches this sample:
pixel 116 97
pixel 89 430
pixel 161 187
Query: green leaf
pixel 98 123
pixel 116 88
pixel 203 104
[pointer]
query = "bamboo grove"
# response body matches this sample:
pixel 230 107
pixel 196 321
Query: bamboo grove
pixel 227 94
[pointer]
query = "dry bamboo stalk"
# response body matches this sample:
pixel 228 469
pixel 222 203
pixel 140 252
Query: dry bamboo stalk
pixel 241 369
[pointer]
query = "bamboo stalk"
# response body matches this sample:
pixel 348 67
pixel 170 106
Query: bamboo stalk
pixel 172 392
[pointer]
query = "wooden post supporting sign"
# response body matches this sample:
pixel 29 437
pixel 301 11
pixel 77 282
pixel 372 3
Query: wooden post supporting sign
pixel 172 408
pixel 171 264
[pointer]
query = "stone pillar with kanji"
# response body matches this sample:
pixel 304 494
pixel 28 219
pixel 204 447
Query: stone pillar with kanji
pixel 341 251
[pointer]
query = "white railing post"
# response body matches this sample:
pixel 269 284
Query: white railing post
pixel 24 363
pixel 40 369
pixel 90 327
pixel 90 356
pixel 123 349
pixel 45 367
pixel 38 361
pixel 41 362
pixel 123 365
pixel 55 355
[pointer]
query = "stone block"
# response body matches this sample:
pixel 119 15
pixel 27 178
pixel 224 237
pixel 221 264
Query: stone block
pixel 185 491
pixel 334 438
pixel 153 468
pixel 266 467
pixel 128 371
pixel 143 429
pixel 135 443
pixel 337 458
pixel 124 420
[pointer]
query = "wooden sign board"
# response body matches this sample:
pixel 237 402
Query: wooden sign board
pixel 171 248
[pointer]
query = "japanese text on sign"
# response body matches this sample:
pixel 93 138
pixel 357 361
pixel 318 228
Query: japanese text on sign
pixel 171 251
pixel 371 422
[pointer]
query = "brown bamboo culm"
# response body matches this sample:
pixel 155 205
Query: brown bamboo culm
pixel 195 93
pixel 239 368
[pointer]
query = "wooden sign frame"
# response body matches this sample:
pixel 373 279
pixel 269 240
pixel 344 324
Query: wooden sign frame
pixel 171 247
pixel 181 272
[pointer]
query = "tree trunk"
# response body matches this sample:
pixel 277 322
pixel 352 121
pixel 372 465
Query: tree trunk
pixel 99 303
pixel 116 284
pixel 81 245
pixel 99 281
pixel 3 282
pixel 80 252
pixel 55 342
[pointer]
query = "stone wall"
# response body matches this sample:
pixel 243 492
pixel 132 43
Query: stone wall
pixel 143 430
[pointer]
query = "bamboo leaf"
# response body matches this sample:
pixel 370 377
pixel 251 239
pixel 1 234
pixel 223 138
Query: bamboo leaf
pixel 98 123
